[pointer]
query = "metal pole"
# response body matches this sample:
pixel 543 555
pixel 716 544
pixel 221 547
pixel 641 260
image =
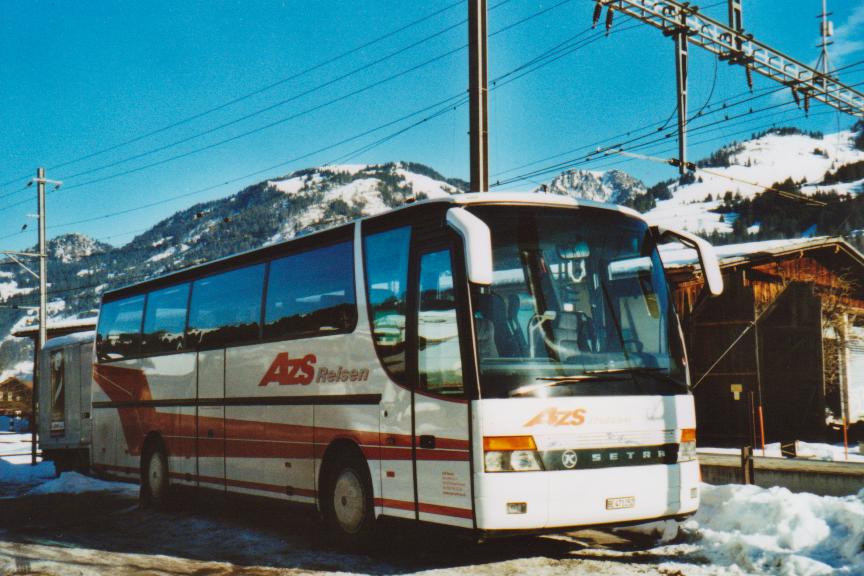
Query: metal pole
pixel 681 46
pixel 477 92
pixel 43 306
pixel 736 20
pixel 825 31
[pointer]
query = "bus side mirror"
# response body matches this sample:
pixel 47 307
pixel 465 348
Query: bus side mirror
pixel 707 257
pixel 478 244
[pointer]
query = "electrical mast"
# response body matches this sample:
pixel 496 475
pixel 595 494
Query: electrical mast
pixel 687 25
pixel 826 30
pixel 477 91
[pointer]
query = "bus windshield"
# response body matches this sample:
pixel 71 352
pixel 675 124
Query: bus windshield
pixel 578 306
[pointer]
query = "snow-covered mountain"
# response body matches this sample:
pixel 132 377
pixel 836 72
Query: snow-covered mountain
pixel 81 268
pixel 613 186
pixel 72 247
pixel 747 167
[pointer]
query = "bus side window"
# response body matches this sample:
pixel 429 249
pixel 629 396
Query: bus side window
pixel 386 255
pixel 225 309
pixel 311 293
pixel 165 320
pixel 119 332
pixel 439 360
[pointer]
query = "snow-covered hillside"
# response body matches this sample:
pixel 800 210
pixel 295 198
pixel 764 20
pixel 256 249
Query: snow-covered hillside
pixel 764 161
pixel 353 191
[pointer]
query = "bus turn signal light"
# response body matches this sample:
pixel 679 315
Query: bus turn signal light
pixel 511 454
pixel 497 443
pixel 687 447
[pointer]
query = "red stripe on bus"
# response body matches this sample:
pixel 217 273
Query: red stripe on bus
pixel 446 510
pixel 426 508
pixel 112 467
pixel 448 455
pixel 246 438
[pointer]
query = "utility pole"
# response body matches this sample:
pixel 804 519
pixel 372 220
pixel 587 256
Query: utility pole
pixel 681 57
pixel 477 92
pixel 43 301
pixel 42 254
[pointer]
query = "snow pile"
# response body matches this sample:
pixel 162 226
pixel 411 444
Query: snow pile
pixel 25 473
pixel 75 483
pixel 775 531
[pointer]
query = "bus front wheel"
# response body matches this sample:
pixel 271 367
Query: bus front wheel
pixel 348 508
pixel 154 478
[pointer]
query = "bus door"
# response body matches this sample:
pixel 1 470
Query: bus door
pixel 210 422
pixel 441 410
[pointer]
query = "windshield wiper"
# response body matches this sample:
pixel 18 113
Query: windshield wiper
pixel 654 372
pixel 633 370
pixel 587 375
pixel 552 381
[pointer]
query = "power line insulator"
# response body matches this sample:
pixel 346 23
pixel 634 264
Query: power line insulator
pixel 795 95
pixel 807 103
pixel 749 73
pixel 610 14
pixel 598 11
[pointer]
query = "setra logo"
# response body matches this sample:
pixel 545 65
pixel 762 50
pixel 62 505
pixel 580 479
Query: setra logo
pixel 554 417
pixel 285 370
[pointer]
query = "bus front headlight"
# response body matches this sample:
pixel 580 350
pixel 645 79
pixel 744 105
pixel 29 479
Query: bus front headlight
pixel 510 454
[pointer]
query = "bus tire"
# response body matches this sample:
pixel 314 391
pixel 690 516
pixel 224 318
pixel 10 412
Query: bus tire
pixel 349 514
pixel 154 477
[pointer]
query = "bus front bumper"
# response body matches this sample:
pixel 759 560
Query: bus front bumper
pixel 569 499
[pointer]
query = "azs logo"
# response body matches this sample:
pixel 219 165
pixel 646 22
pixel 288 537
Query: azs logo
pixel 285 370
pixel 554 417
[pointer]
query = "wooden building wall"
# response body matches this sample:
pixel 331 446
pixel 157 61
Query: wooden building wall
pixel 780 359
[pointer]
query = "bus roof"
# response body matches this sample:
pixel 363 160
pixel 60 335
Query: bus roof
pixel 469 199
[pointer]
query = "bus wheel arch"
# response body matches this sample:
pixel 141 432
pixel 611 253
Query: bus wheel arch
pixel 346 494
pixel 154 472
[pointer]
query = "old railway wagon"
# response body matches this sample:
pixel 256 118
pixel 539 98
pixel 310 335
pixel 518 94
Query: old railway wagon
pixel 496 362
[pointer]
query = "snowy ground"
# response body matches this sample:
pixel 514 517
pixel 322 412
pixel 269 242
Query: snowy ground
pixel 806 450
pixel 79 525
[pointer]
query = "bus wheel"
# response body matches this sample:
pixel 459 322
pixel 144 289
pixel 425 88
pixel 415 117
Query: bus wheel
pixel 154 478
pixel 348 510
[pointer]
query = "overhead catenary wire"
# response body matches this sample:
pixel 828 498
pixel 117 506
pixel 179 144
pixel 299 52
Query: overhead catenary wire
pixel 256 92
pixel 308 110
pixel 185 195
pixel 570 163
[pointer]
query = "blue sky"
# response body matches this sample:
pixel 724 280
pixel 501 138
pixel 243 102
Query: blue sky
pixel 80 77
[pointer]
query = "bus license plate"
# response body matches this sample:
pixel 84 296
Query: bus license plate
pixel 619 503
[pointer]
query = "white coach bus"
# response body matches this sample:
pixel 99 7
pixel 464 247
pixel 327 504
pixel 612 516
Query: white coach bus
pixel 503 363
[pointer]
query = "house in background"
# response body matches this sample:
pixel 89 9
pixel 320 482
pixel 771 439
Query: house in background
pixel 787 335
pixel 16 397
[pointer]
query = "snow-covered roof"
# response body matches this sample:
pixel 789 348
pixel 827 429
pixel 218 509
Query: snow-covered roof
pixel 66 326
pixel 70 339
pixel 678 256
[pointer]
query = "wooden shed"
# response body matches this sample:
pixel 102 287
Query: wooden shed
pixel 789 328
